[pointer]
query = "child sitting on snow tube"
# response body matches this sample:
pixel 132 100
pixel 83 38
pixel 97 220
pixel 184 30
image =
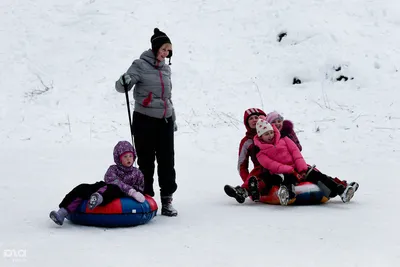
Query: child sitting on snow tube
pixel 120 180
pixel 283 159
pixel 247 150
pixel 246 153
pixel 285 128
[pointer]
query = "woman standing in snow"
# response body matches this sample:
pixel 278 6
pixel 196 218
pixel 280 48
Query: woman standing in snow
pixel 154 117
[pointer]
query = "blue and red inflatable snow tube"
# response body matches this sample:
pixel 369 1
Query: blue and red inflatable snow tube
pixel 121 212
pixel 306 194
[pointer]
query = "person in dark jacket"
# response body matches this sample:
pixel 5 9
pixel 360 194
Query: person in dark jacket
pixel 154 117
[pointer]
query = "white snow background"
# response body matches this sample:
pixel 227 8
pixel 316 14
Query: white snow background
pixel 60 118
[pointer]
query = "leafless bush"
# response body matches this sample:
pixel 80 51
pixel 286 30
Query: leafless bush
pixel 39 91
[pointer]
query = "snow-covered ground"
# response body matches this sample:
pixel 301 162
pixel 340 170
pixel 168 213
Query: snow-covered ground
pixel 60 118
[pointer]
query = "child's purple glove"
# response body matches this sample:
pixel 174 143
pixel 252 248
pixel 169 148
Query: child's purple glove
pixel 136 195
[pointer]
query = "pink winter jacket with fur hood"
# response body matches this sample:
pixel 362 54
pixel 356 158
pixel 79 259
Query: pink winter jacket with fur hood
pixel 282 156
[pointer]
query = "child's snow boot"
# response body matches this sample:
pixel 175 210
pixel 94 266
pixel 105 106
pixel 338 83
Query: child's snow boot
pixel 58 216
pixel 95 200
pixel 348 194
pixel 237 193
pixel 355 185
pixel 253 189
pixel 283 195
pixel 166 206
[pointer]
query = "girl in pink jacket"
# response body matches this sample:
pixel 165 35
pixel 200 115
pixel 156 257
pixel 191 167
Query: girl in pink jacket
pixel 282 157
pixel 285 128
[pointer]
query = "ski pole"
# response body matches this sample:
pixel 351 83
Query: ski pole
pixel 129 109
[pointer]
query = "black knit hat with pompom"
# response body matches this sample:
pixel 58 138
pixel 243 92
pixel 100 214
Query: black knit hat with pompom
pixel 157 40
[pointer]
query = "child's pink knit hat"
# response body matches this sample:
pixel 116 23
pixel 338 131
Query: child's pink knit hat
pixel 272 116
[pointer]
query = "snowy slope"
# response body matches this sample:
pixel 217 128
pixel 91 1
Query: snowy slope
pixel 60 118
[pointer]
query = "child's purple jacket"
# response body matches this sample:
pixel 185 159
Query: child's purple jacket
pixel 125 178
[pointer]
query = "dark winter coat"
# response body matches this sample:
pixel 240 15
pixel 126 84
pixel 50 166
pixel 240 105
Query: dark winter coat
pixel 287 131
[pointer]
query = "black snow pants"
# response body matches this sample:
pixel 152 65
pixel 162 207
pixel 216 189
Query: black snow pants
pixel 271 180
pixel 327 184
pixel 83 192
pixel 154 140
